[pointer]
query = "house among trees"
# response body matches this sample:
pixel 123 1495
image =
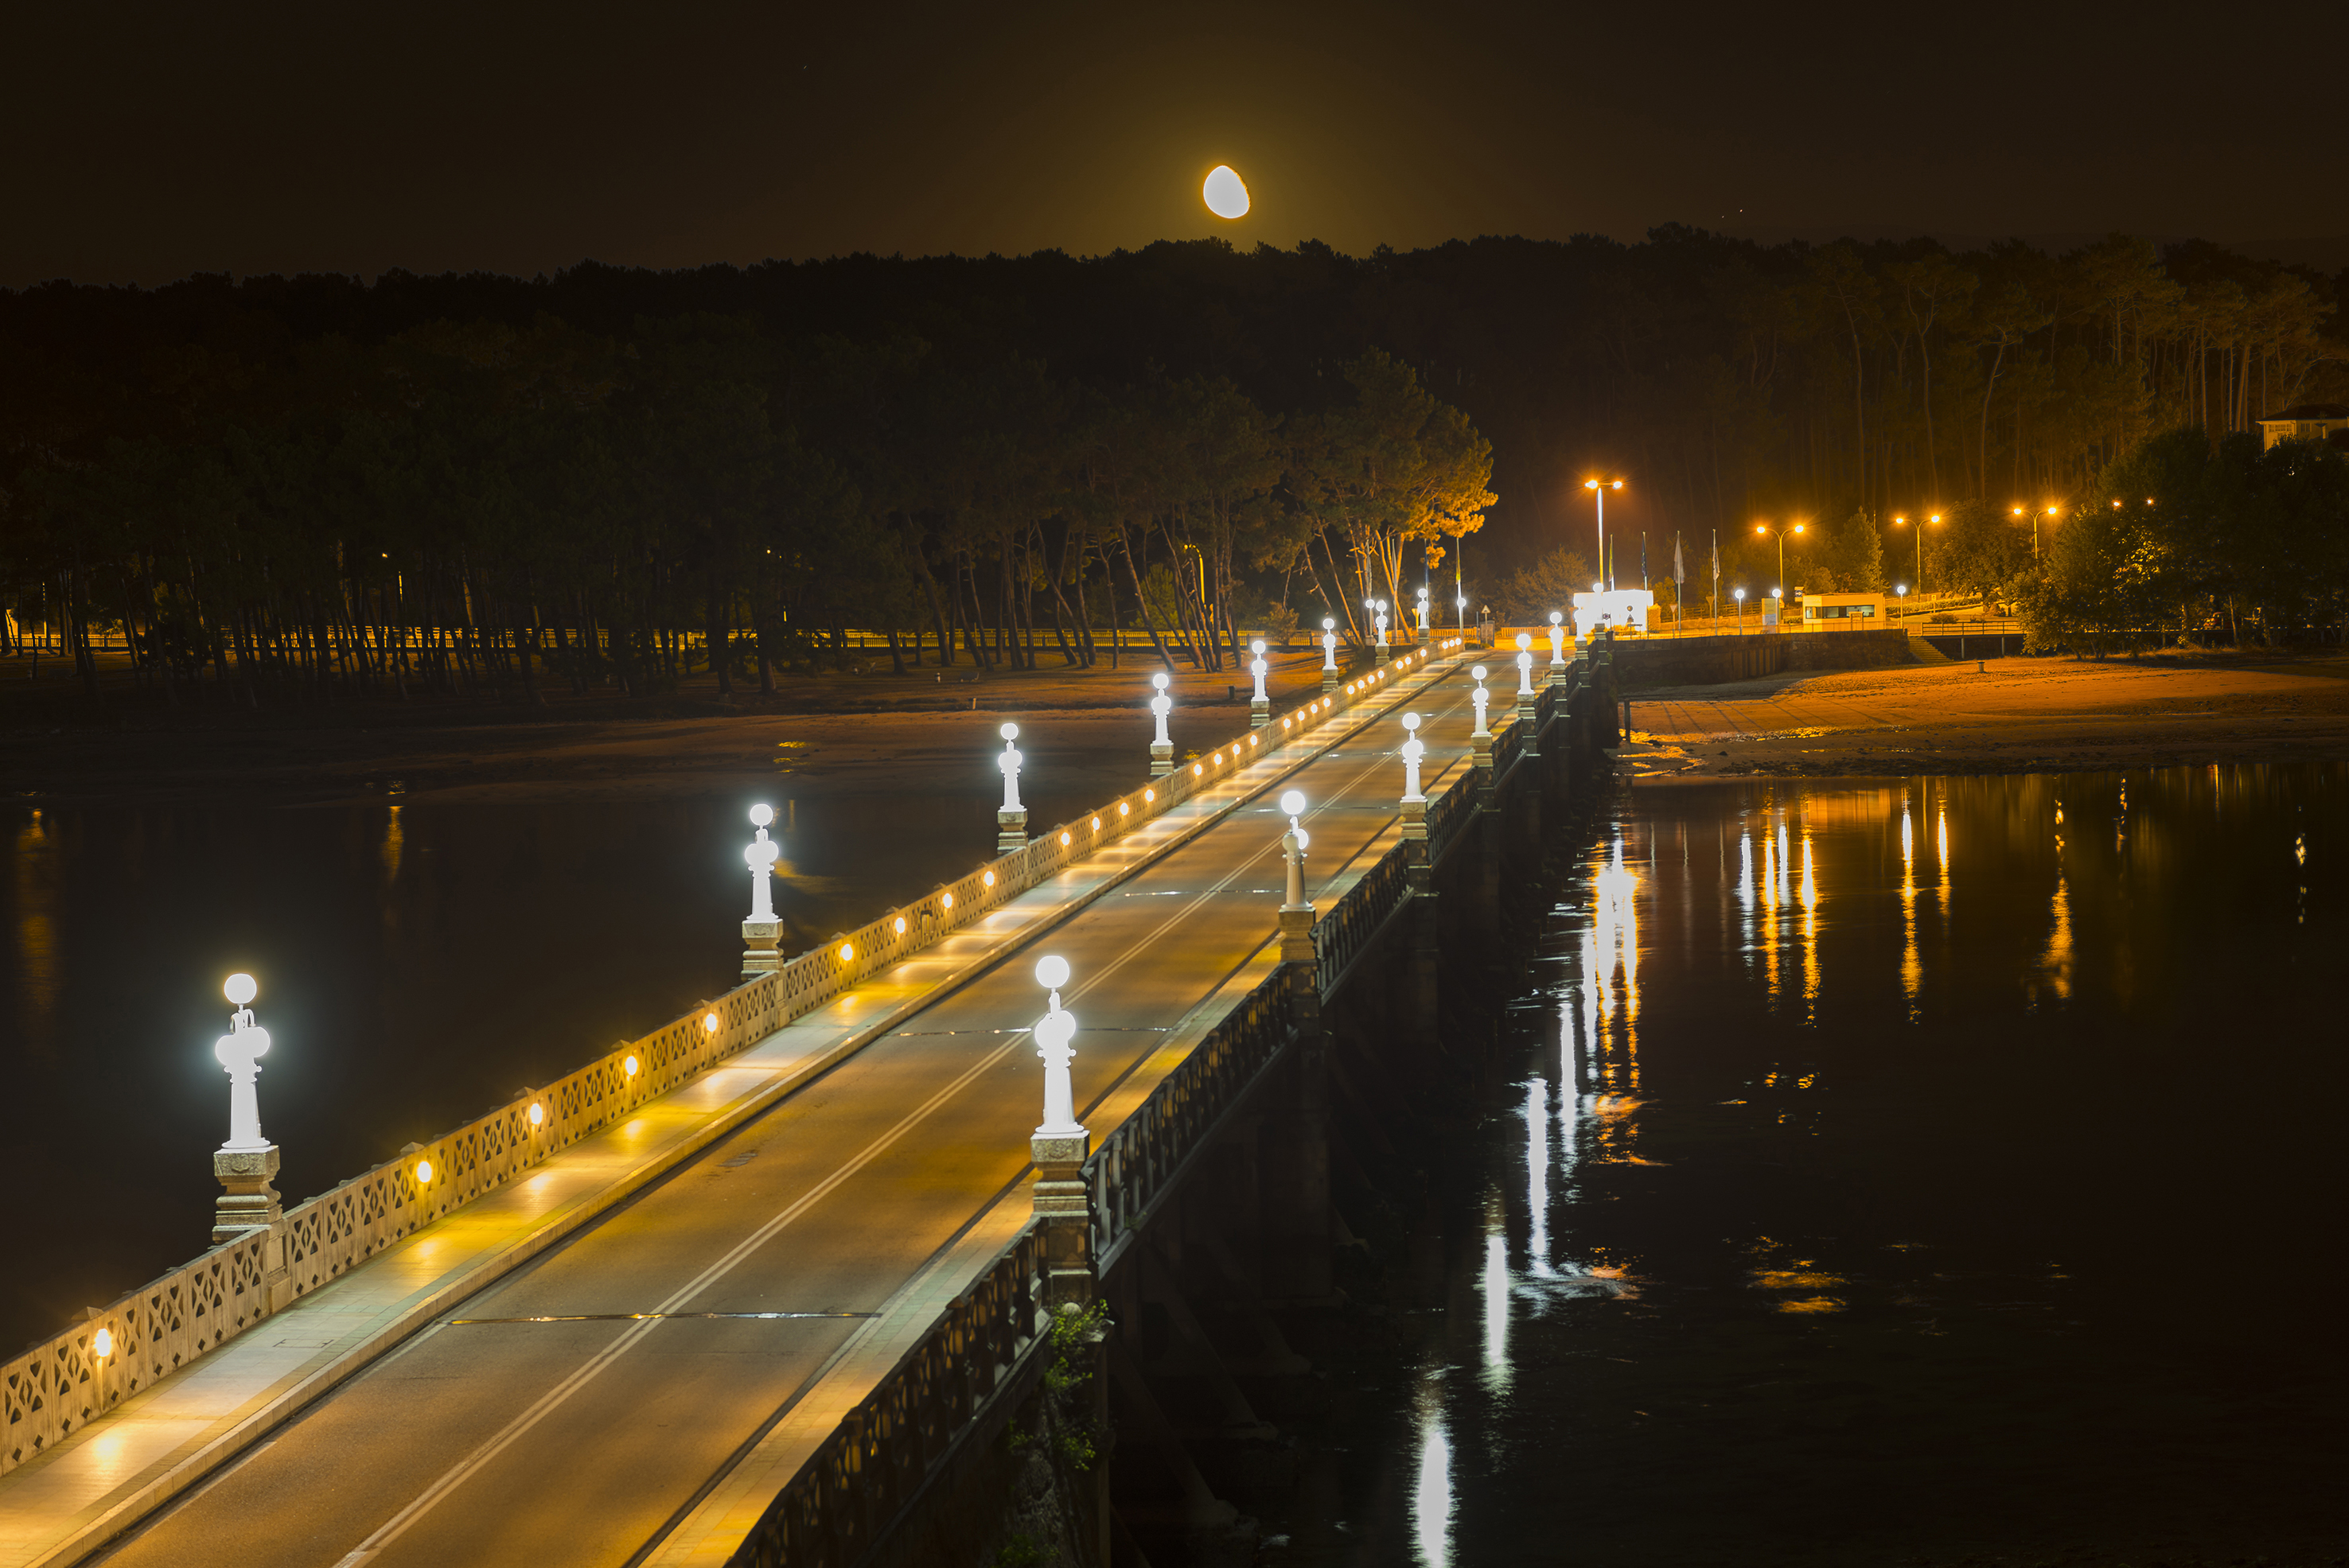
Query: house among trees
pixel 2308 422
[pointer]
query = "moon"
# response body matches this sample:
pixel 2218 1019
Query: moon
pixel 1225 196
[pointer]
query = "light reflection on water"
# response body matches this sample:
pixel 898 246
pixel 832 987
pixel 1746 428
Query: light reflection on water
pixel 1816 1169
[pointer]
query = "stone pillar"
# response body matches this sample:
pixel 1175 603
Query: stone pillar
pixel 1295 1172
pixel 1064 1210
pixel 761 948
pixel 1420 969
pixel 1011 829
pixel 249 1204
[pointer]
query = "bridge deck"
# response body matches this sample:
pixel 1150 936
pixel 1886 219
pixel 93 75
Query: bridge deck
pixel 547 1420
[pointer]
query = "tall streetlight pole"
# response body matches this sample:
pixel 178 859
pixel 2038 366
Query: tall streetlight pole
pixel 1781 533
pixel 1904 522
pixel 1599 490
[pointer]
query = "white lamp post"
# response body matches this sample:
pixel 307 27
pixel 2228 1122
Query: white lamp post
pixel 1328 653
pixel 1011 822
pixel 247 1160
pixel 762 932
pixel 1054 1032
pixel 1162 750
pixel 1423 616
pixel 1525 664
pixel 1058 1147
pixel 1260 709
pixel 1414 748
pixel 1479 698
pixel 1382 630
pixel 1556 648
pixel 1739 595
pixel 1293 846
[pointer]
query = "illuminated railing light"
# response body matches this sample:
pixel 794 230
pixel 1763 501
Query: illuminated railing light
pixel 1196 771
pixel 424 1167
pixel 1148 795
pixel 1123 808
pixel 1096 824
pixel 949 901
pixel 537 1114
pixel 101 1344
pixel 986 879
pixel 1064 840
pixel 901 925
pixel 847 951
pixel 632 1066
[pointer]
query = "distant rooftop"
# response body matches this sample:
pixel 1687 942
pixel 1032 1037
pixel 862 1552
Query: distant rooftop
pixel 2308 411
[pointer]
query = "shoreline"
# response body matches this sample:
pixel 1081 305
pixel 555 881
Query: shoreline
pixel 2010 716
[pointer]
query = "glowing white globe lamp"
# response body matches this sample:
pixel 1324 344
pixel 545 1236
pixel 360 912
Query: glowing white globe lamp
pixel 1054 1033
pixel 1292 845
pixel 1414 748
pixel 1480 697
pixel 1011 820
pixel 1162 749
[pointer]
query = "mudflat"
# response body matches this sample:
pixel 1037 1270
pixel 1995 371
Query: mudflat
pixel 2002 716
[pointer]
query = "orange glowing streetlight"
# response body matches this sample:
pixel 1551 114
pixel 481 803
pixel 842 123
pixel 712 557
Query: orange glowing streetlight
pixel 1903 523
pixel 1599 488
pixel 1782 533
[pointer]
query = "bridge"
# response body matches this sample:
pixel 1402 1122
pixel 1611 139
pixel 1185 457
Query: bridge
pixel 768 1286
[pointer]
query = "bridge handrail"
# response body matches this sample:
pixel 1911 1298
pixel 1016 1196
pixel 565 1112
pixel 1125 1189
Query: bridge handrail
pixel 873 1462
pixel 58 1385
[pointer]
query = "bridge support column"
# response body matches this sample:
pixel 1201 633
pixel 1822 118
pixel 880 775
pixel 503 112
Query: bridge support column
pixel 248 1202
pixel 1421 970
pixel 761 948
pixel 1062 1210
pixel 1295 1211
pixel 1010 831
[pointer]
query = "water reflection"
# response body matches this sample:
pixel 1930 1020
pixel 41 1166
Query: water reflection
pixel 36 936
pixel 1727 1159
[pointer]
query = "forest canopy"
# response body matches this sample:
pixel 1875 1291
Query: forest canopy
pixel 582 477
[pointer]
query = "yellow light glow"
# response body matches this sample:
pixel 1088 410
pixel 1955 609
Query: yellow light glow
pixel 846 952
pixel 1219 759
pixel 632 1066
pixel 1225 195
pixel 537 1114
pixel 1123 808
pixel 1096 824
pixel 986 879
pixel 101 1344
pixel 709 1023
pixel 949 901
pixel 424 1167
pixel 1064 840
pixel 1150 794
pixel 901 925
pixel 1196 771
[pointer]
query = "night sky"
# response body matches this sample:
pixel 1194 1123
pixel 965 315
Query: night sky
pixel 149 141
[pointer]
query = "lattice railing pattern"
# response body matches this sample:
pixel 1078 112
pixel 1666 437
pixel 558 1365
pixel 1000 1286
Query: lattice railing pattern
pixel 61 1383
pixel 876 1459
pixel 1136 1162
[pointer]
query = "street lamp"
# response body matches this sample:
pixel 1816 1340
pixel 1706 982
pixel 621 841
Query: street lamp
pixel 1292 845
pixel 1422 614
pixel 762 932
pixel 1260 708
pixel 1011 822
pixel 1524 665
pixel 1781 533
pixel 1162 750
pixel 1556 648
pixel 1903 523
pixel 1600 491
pixel 244 1164
pixel 1414 748
pixel 1479 698
pixel 1054 1032
pixel 1738 594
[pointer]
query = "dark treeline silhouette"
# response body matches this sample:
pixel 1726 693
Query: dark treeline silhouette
pixel 607 476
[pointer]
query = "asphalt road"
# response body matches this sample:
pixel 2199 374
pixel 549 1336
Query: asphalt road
pixel 540 1424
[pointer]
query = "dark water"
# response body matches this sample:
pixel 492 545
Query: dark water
pixel 416 966
pixel 1930 1174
